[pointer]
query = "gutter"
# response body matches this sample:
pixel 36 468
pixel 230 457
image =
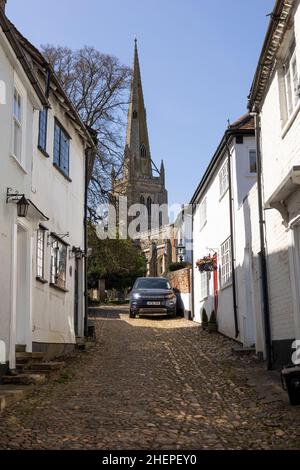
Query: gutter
pixel 215 160
pixel 276 30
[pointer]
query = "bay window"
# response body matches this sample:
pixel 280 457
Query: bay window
pixel 58 263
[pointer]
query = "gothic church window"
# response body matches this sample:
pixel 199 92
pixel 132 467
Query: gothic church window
pixel 143 151
pixel 134 114
pixel 149 210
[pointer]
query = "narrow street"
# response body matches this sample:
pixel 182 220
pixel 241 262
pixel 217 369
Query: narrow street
pixel 153 384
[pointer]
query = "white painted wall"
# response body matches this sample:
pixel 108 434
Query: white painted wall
pixel 18 177
pixel 213 234
pixel 280 151
pixel 63 203
pixel 31 311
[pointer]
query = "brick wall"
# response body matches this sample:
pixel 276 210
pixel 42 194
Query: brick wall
pixel 181 280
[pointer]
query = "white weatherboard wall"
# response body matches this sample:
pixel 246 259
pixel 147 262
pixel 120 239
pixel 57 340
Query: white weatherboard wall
pixel 63 203
pixel 15 234
pixel 209 238
pixel 280 152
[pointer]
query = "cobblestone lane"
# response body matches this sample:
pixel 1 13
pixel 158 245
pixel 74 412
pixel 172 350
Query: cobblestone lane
pixel 152 384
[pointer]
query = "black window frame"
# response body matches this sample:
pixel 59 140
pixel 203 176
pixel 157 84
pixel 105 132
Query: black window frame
pixel 58 163
pixel 42 146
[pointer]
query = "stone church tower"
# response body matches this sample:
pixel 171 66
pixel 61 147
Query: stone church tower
pixel 140 181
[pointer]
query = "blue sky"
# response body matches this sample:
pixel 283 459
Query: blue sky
pixel 197 59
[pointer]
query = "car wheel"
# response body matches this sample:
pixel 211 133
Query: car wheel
pixel 131 314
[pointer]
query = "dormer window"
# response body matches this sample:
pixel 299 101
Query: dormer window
pixel 143 151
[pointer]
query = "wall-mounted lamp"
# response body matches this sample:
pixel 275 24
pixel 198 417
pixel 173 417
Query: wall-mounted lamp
pixel 76 253
pixel 56 237
pixel 20 200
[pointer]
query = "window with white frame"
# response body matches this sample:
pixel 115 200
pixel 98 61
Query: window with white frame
pixel 226 271
pixel 291 82
pixel 203 213
pixel 58 263
pixel 40 253
pixel 17 126
pixel 204 285
pixel 223 179
pixel 252 161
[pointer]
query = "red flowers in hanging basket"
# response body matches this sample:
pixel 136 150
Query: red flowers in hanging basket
pixel 208 263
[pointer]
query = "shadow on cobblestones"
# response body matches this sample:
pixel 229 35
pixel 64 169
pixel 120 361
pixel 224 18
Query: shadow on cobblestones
pixel 152 384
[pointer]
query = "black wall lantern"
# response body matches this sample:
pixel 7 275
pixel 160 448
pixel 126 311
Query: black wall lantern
pixel 20 200
pixel 22 207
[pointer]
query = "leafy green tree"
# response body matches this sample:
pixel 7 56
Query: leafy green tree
pixel 117 261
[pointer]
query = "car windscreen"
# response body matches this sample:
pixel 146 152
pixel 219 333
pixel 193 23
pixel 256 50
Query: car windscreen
pixel 152 284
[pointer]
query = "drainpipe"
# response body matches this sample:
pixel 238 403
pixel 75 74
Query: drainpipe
pixel 262 254
pixel 86 184
pixel 232 240
pixel 193 258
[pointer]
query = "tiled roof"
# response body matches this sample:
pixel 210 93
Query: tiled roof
pixel 245 122
pixel 28 50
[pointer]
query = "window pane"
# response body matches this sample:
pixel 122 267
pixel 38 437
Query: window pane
pixel 53 261
pixel 43 128
pixel 226 261
pixel 64 153
pixel 295 80
pixel 289 92
pixel 40 253
pixel 204 285
pixel 223 179
pixel 17 140
pixel 58 264
pixel 61 267
pixel 56 150
pixel 17 106
pixel 252 161
pixel 61 149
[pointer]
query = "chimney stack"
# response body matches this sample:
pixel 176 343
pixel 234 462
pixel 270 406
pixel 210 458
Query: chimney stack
pixel 3 5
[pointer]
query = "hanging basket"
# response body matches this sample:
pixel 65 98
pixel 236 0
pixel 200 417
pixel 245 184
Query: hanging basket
pixel 207 264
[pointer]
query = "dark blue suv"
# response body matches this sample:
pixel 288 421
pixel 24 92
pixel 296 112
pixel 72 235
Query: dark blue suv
pixel 152 296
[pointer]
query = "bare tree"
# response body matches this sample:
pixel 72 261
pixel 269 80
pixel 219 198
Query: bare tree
pixel 97 84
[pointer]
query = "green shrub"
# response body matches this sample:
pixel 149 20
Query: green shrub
pixel 178 265
pixel 213 318
pixel 204 316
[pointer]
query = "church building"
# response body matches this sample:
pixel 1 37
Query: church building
pixel 142 182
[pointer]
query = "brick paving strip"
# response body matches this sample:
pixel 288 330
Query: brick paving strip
pixel 154 384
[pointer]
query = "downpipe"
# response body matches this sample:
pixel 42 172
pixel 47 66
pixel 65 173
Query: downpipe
pixel 232 241
pixel 262 254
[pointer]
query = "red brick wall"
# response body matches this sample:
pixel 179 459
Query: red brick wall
pixel 181 280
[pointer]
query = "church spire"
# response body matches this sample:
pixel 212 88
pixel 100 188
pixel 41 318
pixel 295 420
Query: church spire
pixel 137 141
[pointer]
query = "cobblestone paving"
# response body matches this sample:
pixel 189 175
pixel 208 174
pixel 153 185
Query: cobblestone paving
pixel 151 384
